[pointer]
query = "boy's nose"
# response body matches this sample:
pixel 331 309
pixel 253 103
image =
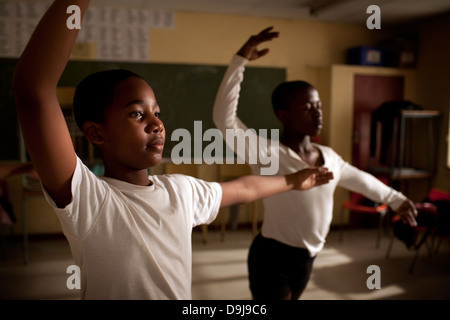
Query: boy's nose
pixel 317 112
pixel 154 126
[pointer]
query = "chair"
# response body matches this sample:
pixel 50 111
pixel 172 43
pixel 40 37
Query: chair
pixel 356 204
pixel 415 237
pixel 441 199
pixel 232 171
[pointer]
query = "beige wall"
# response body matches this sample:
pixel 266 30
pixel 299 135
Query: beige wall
pixel 301 48
pixel 212 39
pixel 434 85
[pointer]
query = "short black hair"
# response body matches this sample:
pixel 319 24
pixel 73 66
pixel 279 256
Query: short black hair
pixel 95 92
pixel 283 93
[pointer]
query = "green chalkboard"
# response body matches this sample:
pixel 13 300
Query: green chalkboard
pixel 185 93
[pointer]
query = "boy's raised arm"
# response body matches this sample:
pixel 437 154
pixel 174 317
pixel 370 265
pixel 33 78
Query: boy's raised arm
pixel 42 122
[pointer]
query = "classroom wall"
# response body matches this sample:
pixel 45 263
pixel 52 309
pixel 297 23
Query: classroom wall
pixel 212 39
pixel 434 85
pixel 200 38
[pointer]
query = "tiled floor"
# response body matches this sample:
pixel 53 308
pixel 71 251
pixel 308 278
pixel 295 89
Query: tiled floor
pixel 220 270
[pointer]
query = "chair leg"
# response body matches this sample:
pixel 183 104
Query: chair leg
pixel 424 240
pixel 380 229
pixel 413 263
pixel 416 255
pixel 391 244
pixel 380 226
pixel 3 244
pixel 25 231
pixel 436 250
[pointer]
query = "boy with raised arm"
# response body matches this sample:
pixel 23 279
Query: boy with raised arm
pixel 295 225
pixel 130 233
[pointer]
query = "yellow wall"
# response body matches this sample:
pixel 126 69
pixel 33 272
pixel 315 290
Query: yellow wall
pixel 212 39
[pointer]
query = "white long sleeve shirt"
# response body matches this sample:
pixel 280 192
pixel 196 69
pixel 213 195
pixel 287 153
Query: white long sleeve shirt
pixel 296 218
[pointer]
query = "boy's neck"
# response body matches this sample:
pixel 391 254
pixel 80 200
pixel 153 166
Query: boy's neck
pixel 137 177
pixel 299 144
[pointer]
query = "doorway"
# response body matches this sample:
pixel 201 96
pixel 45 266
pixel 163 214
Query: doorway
pixel 370 92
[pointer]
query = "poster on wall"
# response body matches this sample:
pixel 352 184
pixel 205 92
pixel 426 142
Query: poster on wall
pixel 119 33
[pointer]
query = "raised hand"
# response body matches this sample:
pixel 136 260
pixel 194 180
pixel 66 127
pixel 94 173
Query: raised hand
pixel 250 51
pixel 309 178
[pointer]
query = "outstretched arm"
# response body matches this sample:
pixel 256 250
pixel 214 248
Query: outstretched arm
pixel 250 188
pixel 371 187
pixel 42 122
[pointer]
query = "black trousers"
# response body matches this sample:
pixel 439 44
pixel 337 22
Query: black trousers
pixel 277 270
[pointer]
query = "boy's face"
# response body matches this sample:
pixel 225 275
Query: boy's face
pixel 304 114
pixel 133 133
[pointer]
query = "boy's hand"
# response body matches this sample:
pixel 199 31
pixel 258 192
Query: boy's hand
pixel 308 178
pixel 408 213
pixel 250 51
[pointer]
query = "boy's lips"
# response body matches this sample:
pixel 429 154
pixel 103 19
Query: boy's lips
pixel 319 123
pixel 156 143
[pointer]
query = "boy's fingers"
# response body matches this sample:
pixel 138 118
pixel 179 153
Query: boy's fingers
pixel 266 30
pixel 263 52
pixel 323 178
pixel 264 35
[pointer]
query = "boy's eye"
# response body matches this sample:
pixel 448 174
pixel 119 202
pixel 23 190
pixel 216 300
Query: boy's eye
pixel 136 114
pixel 310 106
pixel 157 114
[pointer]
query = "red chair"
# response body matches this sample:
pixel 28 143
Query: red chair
pixel 415 237
pixel 356 204
pixel 441 199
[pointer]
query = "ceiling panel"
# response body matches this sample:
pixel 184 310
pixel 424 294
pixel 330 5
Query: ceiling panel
pixel 345 11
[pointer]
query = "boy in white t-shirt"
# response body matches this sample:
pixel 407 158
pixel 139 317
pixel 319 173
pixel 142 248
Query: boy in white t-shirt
pixel 130 233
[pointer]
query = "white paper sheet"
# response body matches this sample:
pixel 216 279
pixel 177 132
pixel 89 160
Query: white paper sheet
pixel 120 34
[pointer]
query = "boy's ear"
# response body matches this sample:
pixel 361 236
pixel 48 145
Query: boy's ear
pixel 93 132
pixel 282 115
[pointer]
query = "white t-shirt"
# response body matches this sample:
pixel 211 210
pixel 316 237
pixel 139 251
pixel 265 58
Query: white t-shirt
pixel 134 242
pixel 297 218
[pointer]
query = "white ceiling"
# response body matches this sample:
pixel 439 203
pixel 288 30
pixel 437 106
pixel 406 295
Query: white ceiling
pixel 393 12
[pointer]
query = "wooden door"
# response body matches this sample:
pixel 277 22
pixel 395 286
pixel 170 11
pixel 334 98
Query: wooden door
pixel 369 93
